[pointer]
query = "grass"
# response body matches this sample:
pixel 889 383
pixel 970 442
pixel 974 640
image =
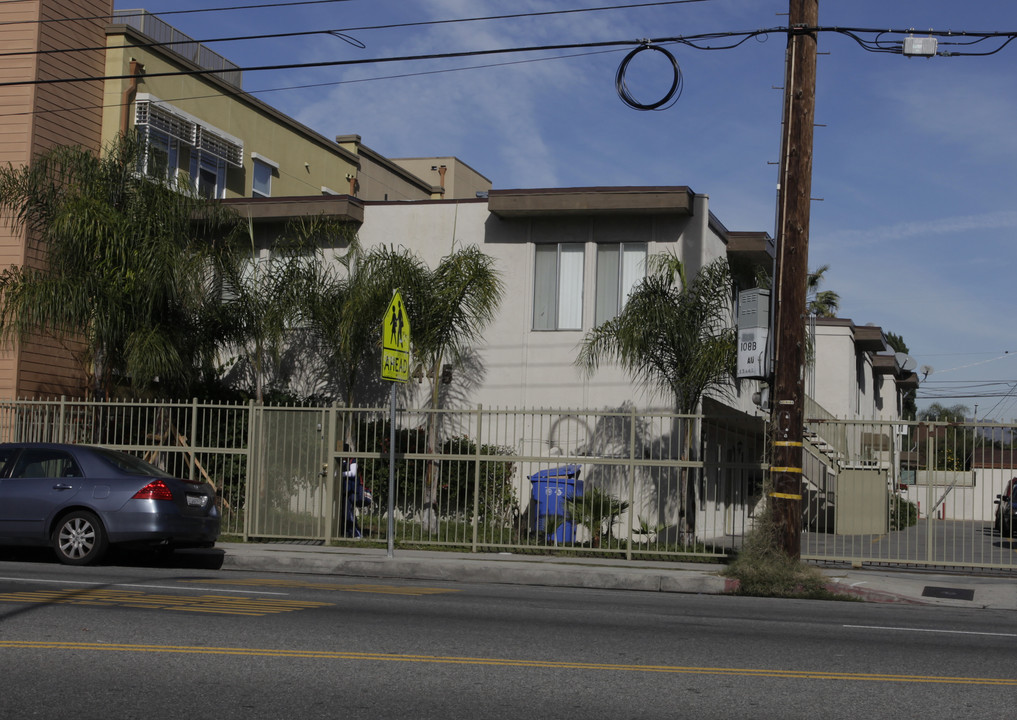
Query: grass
pixel 762 569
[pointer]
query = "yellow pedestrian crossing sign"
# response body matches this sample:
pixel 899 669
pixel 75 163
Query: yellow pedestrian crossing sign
pixel 395 342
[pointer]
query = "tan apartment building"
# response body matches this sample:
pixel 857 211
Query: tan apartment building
pixel 34 117
pixel 200 129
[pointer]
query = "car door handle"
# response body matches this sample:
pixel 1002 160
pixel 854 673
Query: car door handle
pixel 63 486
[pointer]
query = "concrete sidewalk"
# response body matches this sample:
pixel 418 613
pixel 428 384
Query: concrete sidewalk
pixel 876 585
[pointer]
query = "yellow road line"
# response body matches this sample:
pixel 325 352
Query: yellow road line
pixel 111 597
pixel 360 587
pixel 505 662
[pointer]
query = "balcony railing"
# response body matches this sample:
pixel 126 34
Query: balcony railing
pixel 169 38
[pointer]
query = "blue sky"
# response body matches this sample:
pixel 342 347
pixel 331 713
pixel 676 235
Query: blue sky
pixel 915 160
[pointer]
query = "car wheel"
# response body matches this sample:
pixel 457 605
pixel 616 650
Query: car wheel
pixel 79 539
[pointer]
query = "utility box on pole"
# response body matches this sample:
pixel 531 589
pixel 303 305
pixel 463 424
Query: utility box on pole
pixel 753 334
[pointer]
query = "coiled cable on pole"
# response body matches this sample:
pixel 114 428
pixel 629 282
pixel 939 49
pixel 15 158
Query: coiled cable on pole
pixel 623 92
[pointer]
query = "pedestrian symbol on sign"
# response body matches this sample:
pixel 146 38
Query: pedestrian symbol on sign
pixel 395 340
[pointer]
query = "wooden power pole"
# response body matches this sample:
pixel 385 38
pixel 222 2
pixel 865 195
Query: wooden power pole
pixel 794 198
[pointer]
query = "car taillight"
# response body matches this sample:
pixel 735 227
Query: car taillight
pixel 155 490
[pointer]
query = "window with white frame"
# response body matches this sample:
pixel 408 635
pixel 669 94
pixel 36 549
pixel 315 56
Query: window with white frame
pixel 261 183
pixel 558 286
pixel 178 145
pixel 620 267
pixel 209 176
pixel 160 156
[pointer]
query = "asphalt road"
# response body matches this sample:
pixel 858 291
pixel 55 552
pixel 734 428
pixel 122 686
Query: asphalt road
pixel 137 641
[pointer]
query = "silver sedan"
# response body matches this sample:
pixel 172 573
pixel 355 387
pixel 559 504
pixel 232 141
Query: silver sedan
pixel 81 498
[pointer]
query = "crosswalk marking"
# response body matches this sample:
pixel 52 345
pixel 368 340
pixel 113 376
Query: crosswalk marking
pixel 112 597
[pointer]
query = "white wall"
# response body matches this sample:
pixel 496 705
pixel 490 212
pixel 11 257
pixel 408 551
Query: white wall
pixel 963 503
pixel 521 367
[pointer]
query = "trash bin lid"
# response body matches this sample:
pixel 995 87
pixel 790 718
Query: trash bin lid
pixel 560 472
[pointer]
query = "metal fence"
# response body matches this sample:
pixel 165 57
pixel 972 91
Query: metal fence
pixel 628 483
pixel 183 45
pixel 917 494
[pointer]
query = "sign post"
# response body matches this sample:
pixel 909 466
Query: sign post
pixel 395 367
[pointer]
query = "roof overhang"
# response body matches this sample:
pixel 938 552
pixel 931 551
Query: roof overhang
pixel 869 338
pixel 884 365
pixel 757 248
pixel 336 207
pixel 544 202
pixel 907 380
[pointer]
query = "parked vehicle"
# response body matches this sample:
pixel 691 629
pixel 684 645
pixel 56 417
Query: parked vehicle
pixel 81 498
pixel 1006 509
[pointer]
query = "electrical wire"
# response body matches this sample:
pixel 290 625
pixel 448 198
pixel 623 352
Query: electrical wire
pixel 622 88
pixel 231 8
pixel 341 31
pixel 327 63
pixel 332 83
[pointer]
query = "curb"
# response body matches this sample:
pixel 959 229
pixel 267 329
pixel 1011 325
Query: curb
pixel 472 571
pixel 873 596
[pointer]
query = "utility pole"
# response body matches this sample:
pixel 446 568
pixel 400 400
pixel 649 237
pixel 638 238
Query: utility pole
pixel 791 274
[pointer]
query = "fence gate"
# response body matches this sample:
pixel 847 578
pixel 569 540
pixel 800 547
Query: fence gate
pixel 290 488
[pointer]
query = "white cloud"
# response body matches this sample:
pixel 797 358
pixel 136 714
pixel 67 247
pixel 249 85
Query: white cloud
pixel 953 226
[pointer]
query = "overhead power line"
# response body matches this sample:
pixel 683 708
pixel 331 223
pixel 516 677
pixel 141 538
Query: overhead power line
pixel 371 61
pixel 693 41
pixel 387 26
pixel 175 12
pixel 332 83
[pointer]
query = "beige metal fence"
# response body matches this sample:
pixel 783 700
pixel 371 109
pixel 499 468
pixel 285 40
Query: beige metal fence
pixel 919 494
pixel 628 483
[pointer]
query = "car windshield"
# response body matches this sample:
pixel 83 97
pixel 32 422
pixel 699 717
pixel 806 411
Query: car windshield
pixel 129 464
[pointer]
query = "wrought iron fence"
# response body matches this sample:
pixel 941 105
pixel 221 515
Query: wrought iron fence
pixel 629 483
pixel 624 482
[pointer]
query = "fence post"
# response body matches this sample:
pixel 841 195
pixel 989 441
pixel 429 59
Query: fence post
pixel 476 476
pixel 63 415
pixel 930 505
pixel 330 481
pixel 632 480
pixel 250 485
pixel 194 438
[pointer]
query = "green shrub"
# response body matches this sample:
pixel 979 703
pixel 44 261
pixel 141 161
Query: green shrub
pixel 903 513
pixel 458 483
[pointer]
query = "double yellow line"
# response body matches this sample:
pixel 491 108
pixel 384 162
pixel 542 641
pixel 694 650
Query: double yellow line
pixel 504 662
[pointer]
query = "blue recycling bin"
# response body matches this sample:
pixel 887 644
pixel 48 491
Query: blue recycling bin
pixel 551 488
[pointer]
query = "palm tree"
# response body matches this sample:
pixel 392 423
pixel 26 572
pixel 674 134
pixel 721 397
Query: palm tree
pixel 343 304
pixel 261 296
pixel 673 336
pixel 123 266
pixel 821 303
pixel 449 308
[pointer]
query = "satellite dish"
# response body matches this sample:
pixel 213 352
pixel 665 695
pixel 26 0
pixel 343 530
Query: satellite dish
pixel 925 370
pixel 905 361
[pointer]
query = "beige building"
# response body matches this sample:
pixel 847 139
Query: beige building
pixel 203 130
pixel 200 129
pixel 568 258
